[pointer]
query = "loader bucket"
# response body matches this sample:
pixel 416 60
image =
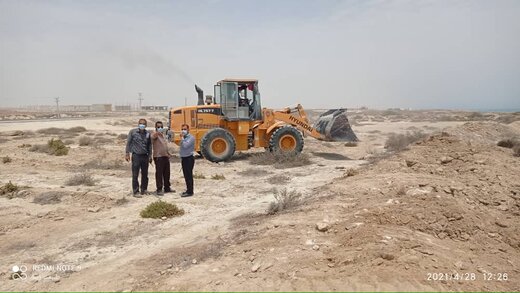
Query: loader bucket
pixel 334 126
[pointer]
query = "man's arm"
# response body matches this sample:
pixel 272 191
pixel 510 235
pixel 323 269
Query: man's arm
pixel 149 147
pixel 188 142
pixel 128 143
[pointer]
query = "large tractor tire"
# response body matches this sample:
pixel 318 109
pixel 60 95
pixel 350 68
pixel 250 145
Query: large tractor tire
pixel 217 145
pixel 286 139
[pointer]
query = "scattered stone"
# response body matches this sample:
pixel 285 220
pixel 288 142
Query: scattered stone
pixel 170 266
pixel 94 209
pixel 316 247
pixel 331 265
pixel 446 159
pixel 255 268
pixel 59 218
pixel 410 163
pixel 499 223
pixel 379 261
pixel 423 250
pixel 194 261
pixel 353 226
pixel 387 256
pixel 164 218
pixel 218 282
pixel 322 226
pixel 251 258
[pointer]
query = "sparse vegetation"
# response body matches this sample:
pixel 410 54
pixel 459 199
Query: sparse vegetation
pixel 284 200
pixel 103 140
pixel 68 142
pixel 399 142
pixel 50 197
pixel 198 176
pixel 218 177
pixel 6 160
pixel 508 143
pixel 85 141
pixel 159 209
pixel 25 145
pixel 81 179
pixel 2 140
pixel 8 188
pixel 351 172
pixel 278 179
pixel 56 131
pixel 104 164
pixel 281 160
pixel 516 150
pixel 121 201
pixel 122 136
pixel 255 172
pixel 351 144
pixel 53 147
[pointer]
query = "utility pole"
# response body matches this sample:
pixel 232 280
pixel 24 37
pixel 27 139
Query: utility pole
pixel 140 101
pixel 57 99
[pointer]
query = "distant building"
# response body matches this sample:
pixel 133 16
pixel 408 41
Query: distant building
pixel 123 108
pixel 155 108
pixel 102 107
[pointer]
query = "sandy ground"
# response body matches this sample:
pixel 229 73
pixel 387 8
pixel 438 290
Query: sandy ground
pixel 389 227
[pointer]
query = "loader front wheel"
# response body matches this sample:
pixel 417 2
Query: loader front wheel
pixel 217 145
pixel 286 139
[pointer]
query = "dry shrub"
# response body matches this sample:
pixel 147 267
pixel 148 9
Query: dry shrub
pixel 9 187
pixel 351 144
pixel 103 140
pixel 122 136
pixel 351 172
pixel 104 164
pixel 77 129
pixel 68 142
pixel 281 160
pixel 508 143
pixel 399 142
pixel 253 172
pixel 199 176
pixel 53 147
pixel 218 177
pixel 55 130
pixel 25 145
pixel 6 159
pixel 121 201
pixel 278 179
pixel 159 209
pixel 81 179
pixel 85 141
pixel 2 140
pixel 284 200
pixel 50 197
pixel 516 150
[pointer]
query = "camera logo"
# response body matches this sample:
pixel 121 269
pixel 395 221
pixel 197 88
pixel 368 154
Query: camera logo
pixel 19 273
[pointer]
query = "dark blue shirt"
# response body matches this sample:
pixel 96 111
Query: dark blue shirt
pixel 139 142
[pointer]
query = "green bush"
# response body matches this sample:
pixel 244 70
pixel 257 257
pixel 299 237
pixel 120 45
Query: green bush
pixel 159 209
pixel 57 147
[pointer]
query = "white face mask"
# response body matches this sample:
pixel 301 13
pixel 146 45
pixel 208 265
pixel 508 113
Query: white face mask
pixel 184 132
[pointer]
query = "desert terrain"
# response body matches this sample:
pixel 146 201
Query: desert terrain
pixel 438 213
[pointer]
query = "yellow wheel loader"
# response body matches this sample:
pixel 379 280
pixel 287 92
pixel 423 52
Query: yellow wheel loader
pixel 233 120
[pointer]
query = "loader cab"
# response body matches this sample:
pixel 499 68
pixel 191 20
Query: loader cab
pixel 239 99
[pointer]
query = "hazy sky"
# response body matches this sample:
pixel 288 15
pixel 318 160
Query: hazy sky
pixel 323 54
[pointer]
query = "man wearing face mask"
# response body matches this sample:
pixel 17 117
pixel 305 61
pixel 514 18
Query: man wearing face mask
pixel 161 158
pixel 140 146
pixel 187 146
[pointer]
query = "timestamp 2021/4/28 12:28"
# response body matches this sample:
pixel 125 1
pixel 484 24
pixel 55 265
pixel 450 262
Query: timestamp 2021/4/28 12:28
pixel 467 276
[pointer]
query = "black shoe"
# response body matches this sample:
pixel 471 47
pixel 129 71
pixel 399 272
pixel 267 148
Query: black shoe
pixel 136 194
pixel 159 193
pixel 144 192
pixel 168 190
pixel 186 194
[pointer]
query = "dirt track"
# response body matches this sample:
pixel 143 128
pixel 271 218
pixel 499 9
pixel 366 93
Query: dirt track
pixel 389 226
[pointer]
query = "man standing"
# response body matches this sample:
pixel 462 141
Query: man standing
pixel 140 146
pixel 187 146
pixel 161 157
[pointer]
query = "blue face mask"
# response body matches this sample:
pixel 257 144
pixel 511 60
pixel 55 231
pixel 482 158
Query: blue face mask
pixel 160 129
pixel 142 126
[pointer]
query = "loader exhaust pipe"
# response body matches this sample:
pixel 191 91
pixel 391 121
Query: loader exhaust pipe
pixel 200 94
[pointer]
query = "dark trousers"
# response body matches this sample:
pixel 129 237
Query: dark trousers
pixel 187 170
pixel 162 173
pixel 139 162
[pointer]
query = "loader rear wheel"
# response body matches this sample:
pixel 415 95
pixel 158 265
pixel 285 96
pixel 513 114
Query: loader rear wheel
pixel 217 145
pixel 286 139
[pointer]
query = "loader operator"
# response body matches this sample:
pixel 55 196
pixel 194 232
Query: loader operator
pixel 139 145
